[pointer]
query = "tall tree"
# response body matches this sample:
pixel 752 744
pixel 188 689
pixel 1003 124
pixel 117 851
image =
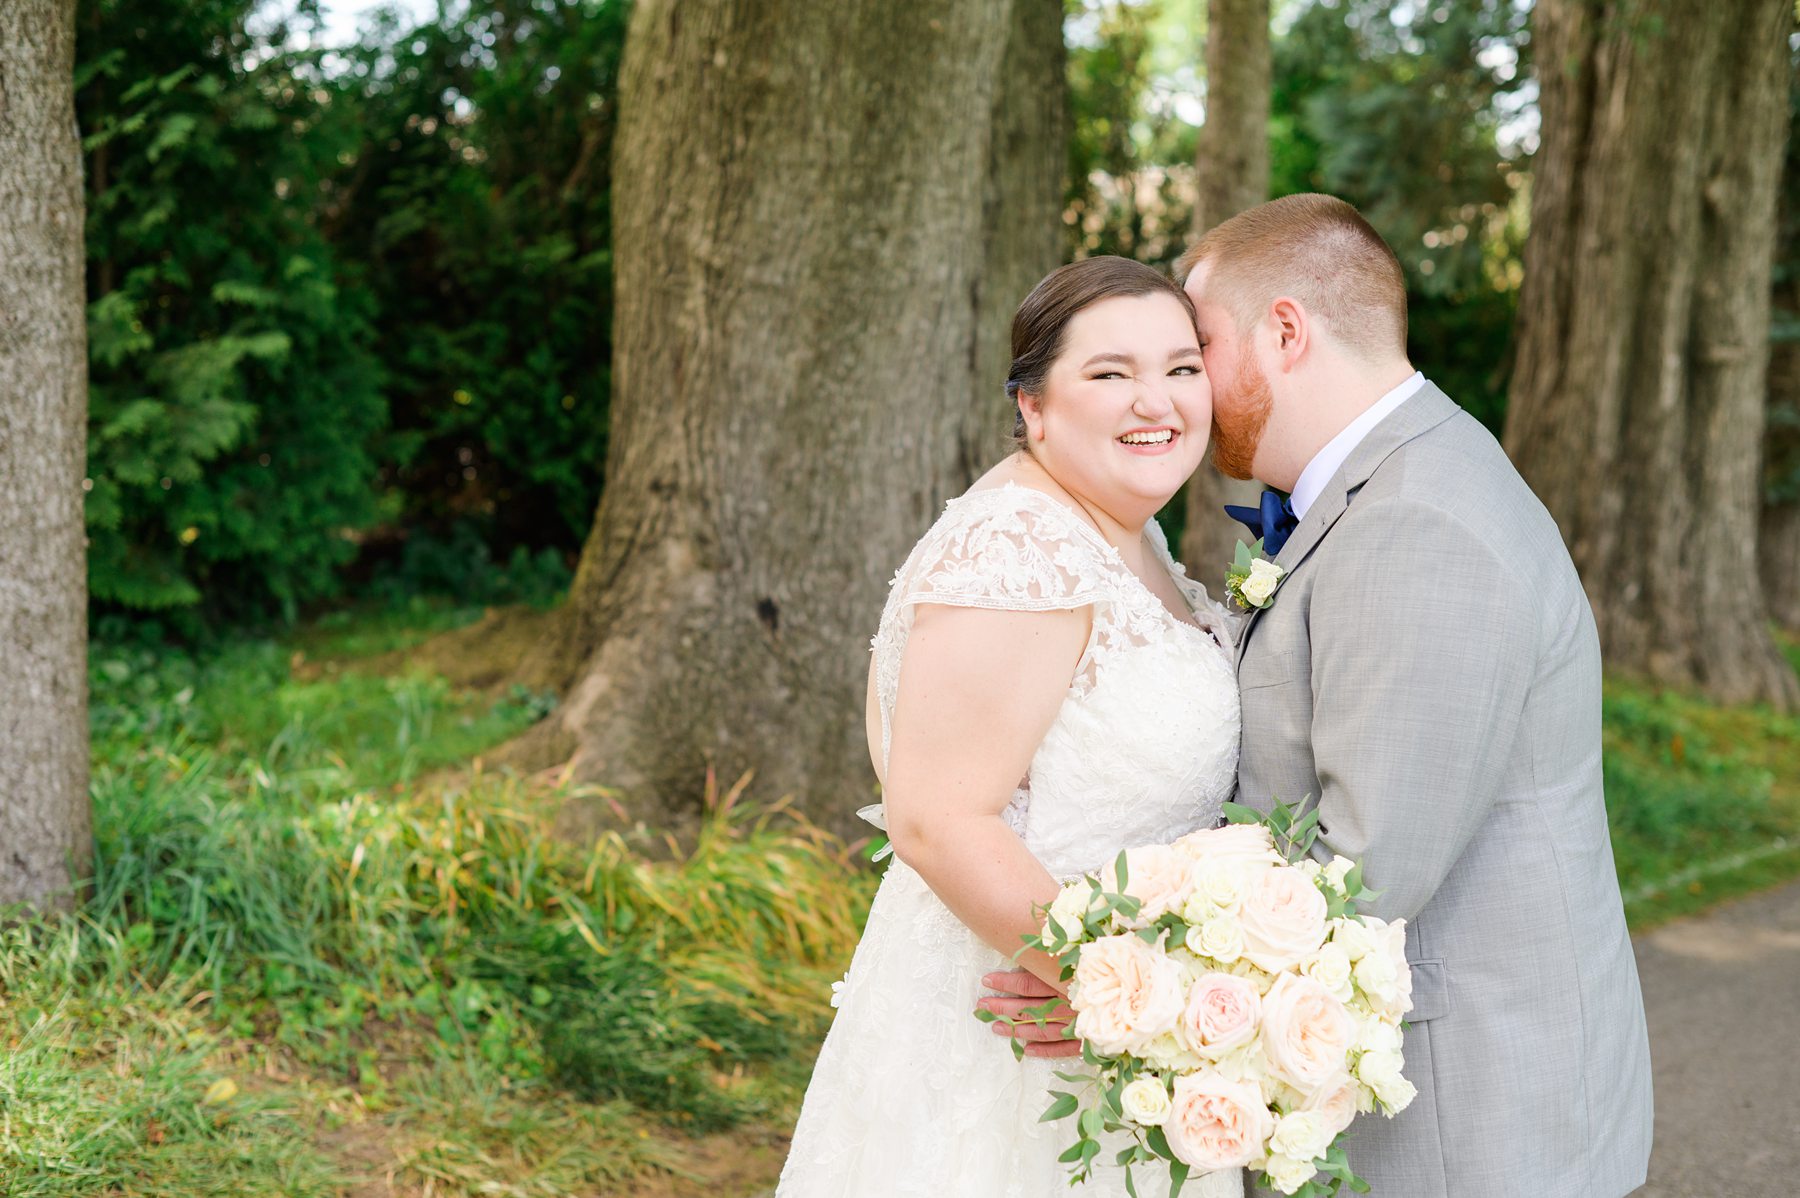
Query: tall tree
pixel 1778 548
pixel 1232 169
pixel 1636 408
pixel 44 830
pixel 816 249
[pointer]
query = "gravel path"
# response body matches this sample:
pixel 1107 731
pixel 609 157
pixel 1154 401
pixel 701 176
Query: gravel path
pixel 1722 991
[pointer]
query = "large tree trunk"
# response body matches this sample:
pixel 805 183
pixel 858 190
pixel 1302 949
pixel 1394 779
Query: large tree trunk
pixel 1232 168
pixel 1778 548
pixel 44 830
pixel 1780 551
pixel 817 252
pixel 1636 409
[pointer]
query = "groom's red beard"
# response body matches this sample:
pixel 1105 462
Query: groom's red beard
pixel 1234 444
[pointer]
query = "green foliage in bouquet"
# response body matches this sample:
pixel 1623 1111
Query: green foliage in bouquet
pixel 1294 831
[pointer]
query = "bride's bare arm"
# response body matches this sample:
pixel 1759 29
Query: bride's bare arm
pixel 978 691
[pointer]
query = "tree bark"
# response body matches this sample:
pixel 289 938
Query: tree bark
pixel 1232 169
pixel 1636 408
pixel 44 821
pixel 817 253
pixel 1778 547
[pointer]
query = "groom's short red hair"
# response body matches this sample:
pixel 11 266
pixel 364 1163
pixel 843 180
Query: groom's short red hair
pixel 1316 249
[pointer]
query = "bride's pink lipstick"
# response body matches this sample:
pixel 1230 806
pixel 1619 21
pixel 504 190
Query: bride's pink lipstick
pixel 1152 448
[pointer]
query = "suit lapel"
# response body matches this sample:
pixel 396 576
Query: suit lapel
pixel 1423 412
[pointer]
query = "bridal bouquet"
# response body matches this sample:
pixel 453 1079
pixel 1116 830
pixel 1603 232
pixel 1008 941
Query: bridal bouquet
pixel 1235 1009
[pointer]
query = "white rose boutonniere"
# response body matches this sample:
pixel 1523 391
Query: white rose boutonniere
pixel 1252 578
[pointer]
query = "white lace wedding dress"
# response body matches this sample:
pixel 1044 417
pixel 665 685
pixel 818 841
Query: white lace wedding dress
pixel 912 1096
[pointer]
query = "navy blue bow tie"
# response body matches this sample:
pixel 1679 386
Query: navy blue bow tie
pixel 1272 523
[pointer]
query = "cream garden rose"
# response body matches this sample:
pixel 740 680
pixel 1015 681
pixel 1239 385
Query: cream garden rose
pixel 1283 918
pixel 1240 844
pixel 1306 1033
pixel 1125 993
pixel 1216 1123
pixel 1145 1100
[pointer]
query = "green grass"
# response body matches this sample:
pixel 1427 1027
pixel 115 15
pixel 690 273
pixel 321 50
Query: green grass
pixel 322 954
pixel 318 948
pixel 1701 799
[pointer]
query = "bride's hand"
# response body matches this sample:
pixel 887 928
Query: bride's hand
pixel 1023 990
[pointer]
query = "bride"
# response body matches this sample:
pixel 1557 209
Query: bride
pixel 1048 688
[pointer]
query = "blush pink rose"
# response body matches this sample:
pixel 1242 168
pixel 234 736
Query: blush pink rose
pixel 1222 1010
pixel 1335 1103
pixel 1125 994
pixel 1283 918
pixel 1234 844
pixel 1218 1124
pixel 1158 876
pixel 1306 1033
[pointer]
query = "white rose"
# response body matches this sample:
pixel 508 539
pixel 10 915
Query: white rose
pixel 1221 938
pixel 1337 871
pixel 1159 876
pixel 1380 1071
pixel 1288 1174
pixel 1330 967
pixel 1303 1135
pixel 1071 907
pixel 1394 941
pixel 1125 993
pixel 1283 918
pixel 1377 1035
pixel 1145 1101
pixel 1375 975
pixel 1259 587
pixel 1354 938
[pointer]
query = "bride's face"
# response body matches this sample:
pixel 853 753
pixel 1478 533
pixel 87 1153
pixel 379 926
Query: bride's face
pixel 1126 408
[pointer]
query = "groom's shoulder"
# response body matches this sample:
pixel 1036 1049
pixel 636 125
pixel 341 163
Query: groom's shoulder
pixel 1458 469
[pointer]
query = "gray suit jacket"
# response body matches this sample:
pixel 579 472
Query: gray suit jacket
pixel 1429 673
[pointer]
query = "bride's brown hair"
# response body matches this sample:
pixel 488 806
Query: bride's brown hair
pixel 1042 319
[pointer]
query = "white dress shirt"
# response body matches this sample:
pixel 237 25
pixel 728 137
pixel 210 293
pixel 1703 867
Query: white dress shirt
pixel 1325 463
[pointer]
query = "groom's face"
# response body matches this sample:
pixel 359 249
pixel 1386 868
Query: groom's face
pixel 1242 398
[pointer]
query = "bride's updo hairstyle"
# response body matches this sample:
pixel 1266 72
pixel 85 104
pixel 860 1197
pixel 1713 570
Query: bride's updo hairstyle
pixel 1041 321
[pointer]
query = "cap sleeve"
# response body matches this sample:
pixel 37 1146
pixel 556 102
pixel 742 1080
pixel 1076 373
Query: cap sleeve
pixel 1011 549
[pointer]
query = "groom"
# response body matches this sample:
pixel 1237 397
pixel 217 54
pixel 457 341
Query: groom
pixel 1428 671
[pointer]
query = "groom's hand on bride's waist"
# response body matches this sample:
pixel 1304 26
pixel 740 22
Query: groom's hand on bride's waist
pixel 1022 995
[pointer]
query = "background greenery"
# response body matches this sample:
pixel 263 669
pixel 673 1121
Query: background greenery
pixel 350 307
pixel 349 324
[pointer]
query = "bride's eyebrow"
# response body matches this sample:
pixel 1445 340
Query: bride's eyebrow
pixel 1124 359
